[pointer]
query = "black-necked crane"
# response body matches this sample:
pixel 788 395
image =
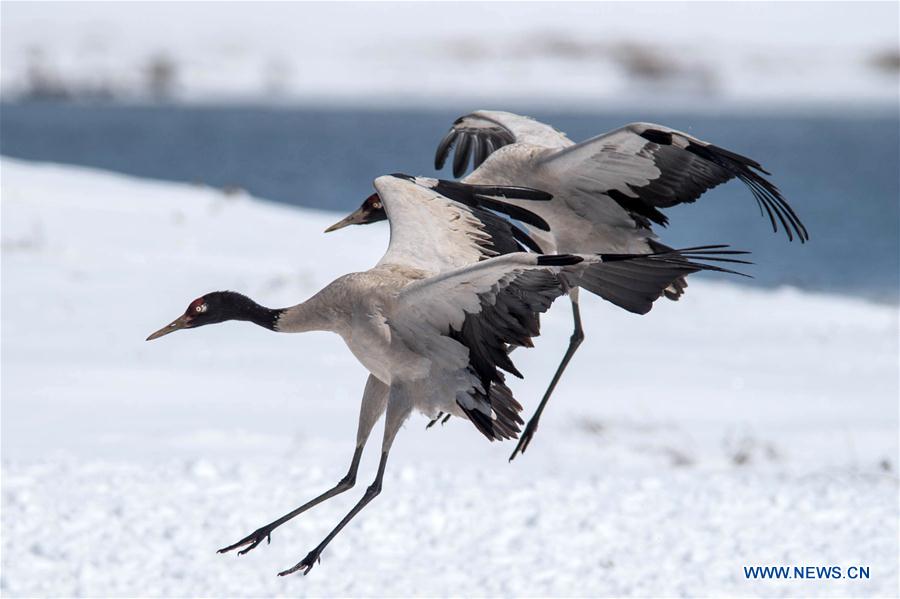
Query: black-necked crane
pixel 433 321
pixel 607 194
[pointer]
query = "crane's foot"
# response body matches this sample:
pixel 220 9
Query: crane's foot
pixel 435 419
pixel 446 418
pixel 251 541
pixel 307 564
pixel 525 438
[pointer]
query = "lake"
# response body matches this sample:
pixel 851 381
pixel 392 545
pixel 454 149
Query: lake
pixel 840 172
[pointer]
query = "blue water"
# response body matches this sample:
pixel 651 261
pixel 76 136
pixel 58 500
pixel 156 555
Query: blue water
pixel 839 173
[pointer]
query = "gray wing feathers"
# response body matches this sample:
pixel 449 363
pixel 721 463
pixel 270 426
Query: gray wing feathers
pixel 643 167
pixel 479 134
pixel 510 318
pixel 466 321
pixel 635 282
pixel 435 233
pixel 634 285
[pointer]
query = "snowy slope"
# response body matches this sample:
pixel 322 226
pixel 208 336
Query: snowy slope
pixel 584 55
pixel 736 427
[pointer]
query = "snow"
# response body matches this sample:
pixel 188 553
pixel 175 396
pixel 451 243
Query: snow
pixel 577 55
pixel 737 427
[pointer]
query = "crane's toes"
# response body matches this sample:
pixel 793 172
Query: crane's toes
pixel 307 564
pixel 434 420
pixel 524 440
pixel 251 541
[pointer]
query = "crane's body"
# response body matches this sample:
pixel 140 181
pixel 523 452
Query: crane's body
pixel 372 313
pixel 360 305
pixel 594 226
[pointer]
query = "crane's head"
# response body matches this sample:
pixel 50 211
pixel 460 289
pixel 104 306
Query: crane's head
pixel 213 308
pixel 371 211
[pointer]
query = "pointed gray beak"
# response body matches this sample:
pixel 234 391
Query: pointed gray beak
pixel 177 324
pixel 356 218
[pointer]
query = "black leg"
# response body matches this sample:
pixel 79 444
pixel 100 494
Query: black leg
pixel 256 537
pixel 399 406
pixel 574 341
pixel 373 405
pixel 374 489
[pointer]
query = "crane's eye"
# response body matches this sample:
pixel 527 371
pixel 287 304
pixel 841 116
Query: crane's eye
pixel 200 308
pixel 376 205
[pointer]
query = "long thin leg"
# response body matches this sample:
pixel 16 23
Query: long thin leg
pixel 574 341
pixel 399 407
pixel 373 405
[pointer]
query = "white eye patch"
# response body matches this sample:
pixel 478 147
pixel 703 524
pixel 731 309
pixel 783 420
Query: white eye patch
pixel 201 308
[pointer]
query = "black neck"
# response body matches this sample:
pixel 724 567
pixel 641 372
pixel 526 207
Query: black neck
pixel 264 317
pixel 240 307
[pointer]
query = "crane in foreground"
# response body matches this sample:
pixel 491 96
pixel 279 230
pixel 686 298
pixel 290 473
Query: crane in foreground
pixel 433 321
pixel 607 195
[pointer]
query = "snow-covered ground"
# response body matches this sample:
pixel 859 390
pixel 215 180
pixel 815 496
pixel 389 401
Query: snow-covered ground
pixel 738 427
pixel 584 55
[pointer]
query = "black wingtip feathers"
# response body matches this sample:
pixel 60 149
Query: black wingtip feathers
pixel 558 260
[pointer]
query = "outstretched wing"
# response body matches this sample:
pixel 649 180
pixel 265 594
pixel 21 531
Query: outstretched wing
pixel 644 167
pixel 635 281
pixel 465 321
pixel 479 134
pixel 441 225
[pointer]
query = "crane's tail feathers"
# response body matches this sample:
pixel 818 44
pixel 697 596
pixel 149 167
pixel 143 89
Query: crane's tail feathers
pixel 711 253
pixel 504 421
pixel 635 281
pixel 702 253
